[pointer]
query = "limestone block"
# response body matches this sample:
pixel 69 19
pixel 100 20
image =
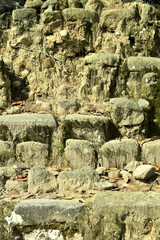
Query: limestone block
pixel 138 64
pixel 131 166
pixel 83 178
pixel 27 127
pixel 110 19
pixel 137 211
pixel 106 185
pixel 7 154
pixel 44 233
pixel 1 179
pixel 20 14
pixel 49 16
pixel 5 88
pixel 151 152
pixel 45 211
pixel 30 154
pixel 118 153
pixel 40 180
pixel 144 172
pixel 125 112
pixel 79 153
pixel 67 107
pixel 16 185
pixel 52 3
pixel 110 59
pixel 80 14
pixel 33 4
pixel 86 127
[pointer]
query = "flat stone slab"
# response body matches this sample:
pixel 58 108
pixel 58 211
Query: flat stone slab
pixel 151 152
pixel 110 59
pixel 126 214
pixel 87 127
pixel 137 64
pixel 44 211
pixel 27 127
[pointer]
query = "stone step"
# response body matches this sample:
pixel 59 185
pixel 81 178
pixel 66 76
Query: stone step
pixel 111 215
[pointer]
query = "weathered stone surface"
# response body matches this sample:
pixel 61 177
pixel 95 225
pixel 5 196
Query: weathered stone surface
pixel 132 166
pixel 45 211
pixel 67 107
pixel 108 59
pixel 30 154
pixel 20 14
pixel 151 152
pixel 27 127
pixel 16 185
pixel 7 153
pixel 84 177
pixel 40 180
pixel 111 18
pixel 5 86
pixel 136 211
pixel 125 112
pixel 42 233
pixel 1 179
pixel 101 170
pixel 106 185
pixel 79 14
pixel 87 127
pixel 118 153
pixel 144 172
pixel 79 153
pixel 143 63
pixel 33 4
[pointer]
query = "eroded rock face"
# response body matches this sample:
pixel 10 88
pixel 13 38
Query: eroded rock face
pixel 79 153
pixel 118 153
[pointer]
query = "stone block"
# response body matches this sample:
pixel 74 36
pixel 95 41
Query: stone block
pixel 125 112
pixel 95 129
pixel 30 154
pixel 143 172
pixel 24 13
pixel 27 127
pixel 16 185
pixel 138 64
pixel 80 178
pixel 7 153
pixel 118 153
pixel 110 59
pixel 45 211
pixel 80 153
pixel 136 212
pixel 80 14
pixel 40 180
pixel 110 19
pixel 151 152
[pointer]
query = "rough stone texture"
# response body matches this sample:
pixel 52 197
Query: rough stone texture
pixel 46 211
pixel 66 107
pixel 40 180
pixel 79 153
pixel 118 153
pixel 128 116
pixel 7 153
pixel 27 127
pixel 16 185
pixel 112 212
pixel 132 166
pixel 106 185
pixel 151 152
pixel 42 233
pixel 144 172
pixel 5 86
pixel 125 112
pixel 30 154
pixel 80 178
pixel 1 179
pixel 87 127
